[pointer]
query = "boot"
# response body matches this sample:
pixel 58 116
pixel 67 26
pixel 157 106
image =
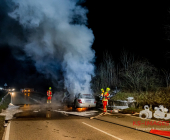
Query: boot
pixel 47 101
pixel 50 101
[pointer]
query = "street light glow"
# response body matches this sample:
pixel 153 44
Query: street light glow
pixel 12 93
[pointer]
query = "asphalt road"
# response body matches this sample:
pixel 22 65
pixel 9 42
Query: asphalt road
pixel 53 122
pixel 19 98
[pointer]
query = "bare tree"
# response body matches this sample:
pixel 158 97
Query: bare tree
pixel 167 76
pixel 106 75
pixel 140 76
pixel 126 59
pixel 108 68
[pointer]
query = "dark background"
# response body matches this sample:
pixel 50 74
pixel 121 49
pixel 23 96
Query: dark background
pixel 136 26
pixel 139 27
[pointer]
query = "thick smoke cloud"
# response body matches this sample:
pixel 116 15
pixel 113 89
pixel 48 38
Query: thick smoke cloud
pixel 57 39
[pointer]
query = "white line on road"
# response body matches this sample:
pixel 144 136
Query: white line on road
pixel 102 131
pixel 7 131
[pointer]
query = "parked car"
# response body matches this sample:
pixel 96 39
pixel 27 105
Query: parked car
pixel 80 100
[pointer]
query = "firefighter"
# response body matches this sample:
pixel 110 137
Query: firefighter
pixel 105 98
pixel 101 95
pixel 49 95
pixel 102 92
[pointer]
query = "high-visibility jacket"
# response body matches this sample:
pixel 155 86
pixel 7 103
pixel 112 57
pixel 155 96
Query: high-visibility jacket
pixel 105 96
pixel 49 92
pixel 102 94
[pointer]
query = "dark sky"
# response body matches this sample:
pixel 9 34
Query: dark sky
pixel 136 26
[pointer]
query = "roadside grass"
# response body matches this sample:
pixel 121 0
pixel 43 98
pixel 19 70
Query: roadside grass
pixel 151 98
pixel 158 97
pixel 123 96
pixel 2 118
pixel 130 110
pixel 5 103
pixel 2 128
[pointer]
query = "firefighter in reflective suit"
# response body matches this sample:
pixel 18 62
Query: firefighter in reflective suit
pixel 102 90
pixel 49 95
pixel 105 98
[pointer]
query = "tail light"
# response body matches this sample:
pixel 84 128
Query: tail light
pixel 79 100
pixel 94 101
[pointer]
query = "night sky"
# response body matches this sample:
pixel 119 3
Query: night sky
pixel 139 27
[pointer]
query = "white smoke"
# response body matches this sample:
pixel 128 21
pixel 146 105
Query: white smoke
pixel 58 40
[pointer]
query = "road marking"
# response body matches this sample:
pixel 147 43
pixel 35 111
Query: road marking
pixel 7 132
pixel 102 131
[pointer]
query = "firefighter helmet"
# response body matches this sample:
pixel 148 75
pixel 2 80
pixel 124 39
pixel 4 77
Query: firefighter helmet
pixel 107 89
pixel 102 89
pixel 50 88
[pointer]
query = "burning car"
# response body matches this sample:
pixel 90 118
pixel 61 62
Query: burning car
pixel 80 101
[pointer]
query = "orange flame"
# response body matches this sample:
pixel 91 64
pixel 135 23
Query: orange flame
pixel 81 109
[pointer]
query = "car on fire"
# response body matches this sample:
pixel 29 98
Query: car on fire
pixel 79 100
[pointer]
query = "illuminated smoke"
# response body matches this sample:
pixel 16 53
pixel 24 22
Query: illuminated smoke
pixel 58 40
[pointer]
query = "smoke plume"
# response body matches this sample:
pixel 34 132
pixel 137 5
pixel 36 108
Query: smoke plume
pixel 57 40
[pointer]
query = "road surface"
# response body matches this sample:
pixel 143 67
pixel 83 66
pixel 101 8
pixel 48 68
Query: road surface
pixel 53 122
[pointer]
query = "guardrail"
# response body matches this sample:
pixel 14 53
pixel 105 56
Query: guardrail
pixel 3 98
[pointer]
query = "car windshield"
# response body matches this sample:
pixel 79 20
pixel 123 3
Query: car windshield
pixel 86 96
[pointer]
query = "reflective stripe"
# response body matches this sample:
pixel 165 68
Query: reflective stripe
pixel 49 93
pixel 105 96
